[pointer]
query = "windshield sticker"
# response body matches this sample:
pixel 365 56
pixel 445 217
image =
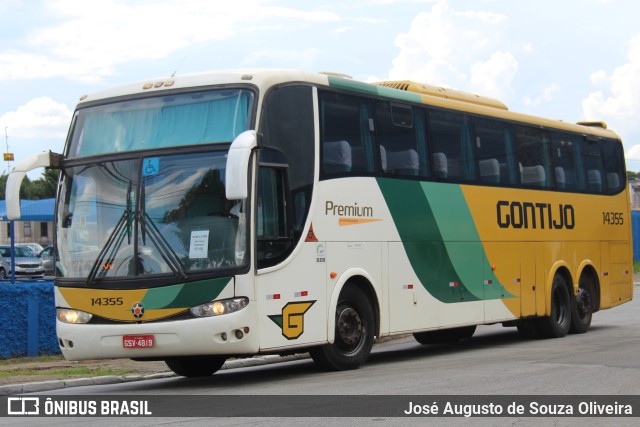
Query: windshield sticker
pixel 151 166
pixel 199 244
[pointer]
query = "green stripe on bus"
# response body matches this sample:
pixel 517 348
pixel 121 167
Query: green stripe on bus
pixel 184 295
pixel 343 83
pixel 441 241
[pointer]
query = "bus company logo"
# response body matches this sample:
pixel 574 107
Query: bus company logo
pixel 137 310
pixel 531 215
pixel 350 214
pixel 291 321
pixel 23 406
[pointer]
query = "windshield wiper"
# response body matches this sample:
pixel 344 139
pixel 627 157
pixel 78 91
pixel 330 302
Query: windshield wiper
pixel 114 242
pixel 117 236
pixel 148 227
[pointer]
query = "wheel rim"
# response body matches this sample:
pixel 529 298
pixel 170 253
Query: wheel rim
pixel 583 303
pixel 561 312
pixel 350 329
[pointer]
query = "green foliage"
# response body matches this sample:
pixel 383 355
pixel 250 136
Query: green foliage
pixel 41 188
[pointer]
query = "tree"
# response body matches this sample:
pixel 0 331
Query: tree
pixel 41 188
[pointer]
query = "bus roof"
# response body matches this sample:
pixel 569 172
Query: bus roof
pixel 401 90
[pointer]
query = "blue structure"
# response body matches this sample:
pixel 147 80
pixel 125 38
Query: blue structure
pixel 31 210
pixel 27 308
pixel 27 319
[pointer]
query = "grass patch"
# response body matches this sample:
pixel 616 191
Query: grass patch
pixel 21 360
pixel 82 371
pixel 636 266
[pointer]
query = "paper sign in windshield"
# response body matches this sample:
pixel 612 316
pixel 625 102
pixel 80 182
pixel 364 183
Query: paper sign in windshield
pixel 199 244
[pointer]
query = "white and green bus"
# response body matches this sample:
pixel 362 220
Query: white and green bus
pixel 234 213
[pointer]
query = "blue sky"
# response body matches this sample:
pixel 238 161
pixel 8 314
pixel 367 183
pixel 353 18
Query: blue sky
pixel 566 59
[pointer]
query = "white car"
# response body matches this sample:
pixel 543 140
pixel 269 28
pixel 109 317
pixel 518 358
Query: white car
pixel 33 247
pixel 26 264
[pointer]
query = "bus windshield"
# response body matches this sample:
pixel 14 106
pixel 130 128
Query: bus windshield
pixel 150 215
pixel 215 116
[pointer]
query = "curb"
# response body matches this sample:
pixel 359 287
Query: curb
pixel 14 389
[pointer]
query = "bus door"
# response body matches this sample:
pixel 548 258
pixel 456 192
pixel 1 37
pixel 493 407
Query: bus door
pixel 292 301
pixel 290 284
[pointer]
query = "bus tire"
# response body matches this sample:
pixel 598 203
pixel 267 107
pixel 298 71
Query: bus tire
pixel 195 366
pixel 441 336
pixel 354 334
pixel 582 306
pixel 557 324
pixel 527 329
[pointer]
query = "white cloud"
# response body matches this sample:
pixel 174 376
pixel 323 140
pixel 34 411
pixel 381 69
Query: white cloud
pixel 88 39
pixel 6 4
pixel 488 17
pixel 455 48
pixel 494 76
pixel 545 97
pixel 619 100
pixel 342 30
pixel 303 58
pixel 599 77
pixel 633 153
pixel 39 118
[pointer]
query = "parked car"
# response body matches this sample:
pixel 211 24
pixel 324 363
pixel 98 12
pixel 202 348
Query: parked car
pixel 46 256
pixel 35 248
pixel 4 270
pixel 26 264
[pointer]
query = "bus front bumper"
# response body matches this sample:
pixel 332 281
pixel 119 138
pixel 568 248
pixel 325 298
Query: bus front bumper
pixel 232 334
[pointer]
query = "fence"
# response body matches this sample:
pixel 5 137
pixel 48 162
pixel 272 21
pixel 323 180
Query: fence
pixel 27 319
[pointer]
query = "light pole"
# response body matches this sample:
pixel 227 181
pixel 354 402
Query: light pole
pixel 7 155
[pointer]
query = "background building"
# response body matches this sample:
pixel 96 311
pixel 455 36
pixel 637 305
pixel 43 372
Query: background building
pixel 36 224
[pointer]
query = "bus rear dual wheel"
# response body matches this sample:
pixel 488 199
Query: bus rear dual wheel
pixel 354 335
pixel 569 313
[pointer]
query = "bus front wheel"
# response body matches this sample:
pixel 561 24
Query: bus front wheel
pixel 557 324
pixel 195 366
pixel 353 336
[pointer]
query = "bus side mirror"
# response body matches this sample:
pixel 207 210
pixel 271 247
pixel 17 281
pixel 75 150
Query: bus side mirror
pixel 14 180
pixel 237 173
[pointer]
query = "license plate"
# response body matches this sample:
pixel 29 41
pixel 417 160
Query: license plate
pixel 138 341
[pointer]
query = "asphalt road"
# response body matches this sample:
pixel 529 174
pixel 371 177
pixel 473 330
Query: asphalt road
pixel 495 362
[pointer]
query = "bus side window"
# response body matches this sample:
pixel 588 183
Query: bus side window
pixel 614 166
pixel 272 228
pixel 346 134
pixel 397 136
pixel 450 137
pixel 494 148
pixel 533 157
pixel 289 139
pixel 564 153
pixel 594 165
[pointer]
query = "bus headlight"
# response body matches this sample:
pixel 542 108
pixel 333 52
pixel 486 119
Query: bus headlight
pixel 220 307
pixel 68 315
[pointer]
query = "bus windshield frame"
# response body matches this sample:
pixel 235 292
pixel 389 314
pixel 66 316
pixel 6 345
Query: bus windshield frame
pixel 157 213
pixel 161 121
